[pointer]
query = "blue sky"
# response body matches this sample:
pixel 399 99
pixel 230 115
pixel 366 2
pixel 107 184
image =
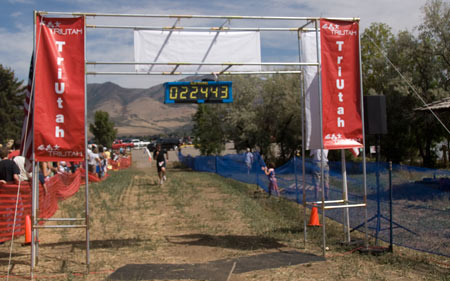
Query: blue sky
pixel 16 25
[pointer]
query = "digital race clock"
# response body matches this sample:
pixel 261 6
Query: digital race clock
pixel 198 92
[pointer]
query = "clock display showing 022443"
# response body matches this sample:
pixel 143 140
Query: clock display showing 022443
pixel 198 92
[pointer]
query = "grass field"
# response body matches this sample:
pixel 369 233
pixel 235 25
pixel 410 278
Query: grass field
pixel 200 226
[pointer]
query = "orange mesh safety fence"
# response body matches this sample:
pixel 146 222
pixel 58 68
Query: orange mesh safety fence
pixel 67 184
pixel 93 177
pixel 122 163
pixel 8 195
pixel 59 187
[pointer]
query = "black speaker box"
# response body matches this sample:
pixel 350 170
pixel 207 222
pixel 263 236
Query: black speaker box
pixel 375 115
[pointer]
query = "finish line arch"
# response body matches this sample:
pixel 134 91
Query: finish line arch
pixel 199 65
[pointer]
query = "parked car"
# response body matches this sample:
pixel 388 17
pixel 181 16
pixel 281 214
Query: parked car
pixel 137 143
pixel 166 144
pixel 119 143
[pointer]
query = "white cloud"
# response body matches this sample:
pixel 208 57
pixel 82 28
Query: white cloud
pixel 17 15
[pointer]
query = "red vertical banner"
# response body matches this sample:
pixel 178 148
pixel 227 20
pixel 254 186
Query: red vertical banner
pixel 59 125
pixel 341 88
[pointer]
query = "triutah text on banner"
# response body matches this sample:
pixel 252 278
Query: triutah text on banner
pixel 59 131
pixel 341 91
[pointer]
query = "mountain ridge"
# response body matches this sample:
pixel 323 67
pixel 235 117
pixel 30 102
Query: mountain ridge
pixel 139 112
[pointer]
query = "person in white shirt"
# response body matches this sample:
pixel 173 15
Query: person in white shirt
pixel 20 162
pixel 93 159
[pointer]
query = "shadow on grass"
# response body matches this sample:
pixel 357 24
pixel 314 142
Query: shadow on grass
pixel 180 170
pixel 413 192
pixel 289 230
pixel 238 242
pixel 215 270
pixel 98 244
pixel 4 258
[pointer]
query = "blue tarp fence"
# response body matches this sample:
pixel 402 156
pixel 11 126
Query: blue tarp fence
pixel 421 196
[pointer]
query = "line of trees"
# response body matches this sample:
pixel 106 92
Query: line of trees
pixel 266 112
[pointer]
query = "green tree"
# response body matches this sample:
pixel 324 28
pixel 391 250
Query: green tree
pixel 265 115
pixel 12 94
pixel 103 129
pixel 242 127
pixel 273 114
pixel 428 84
pixel 375 41
pixel 436 27
pixel 282 111
pixel 209 131
pixel 436 30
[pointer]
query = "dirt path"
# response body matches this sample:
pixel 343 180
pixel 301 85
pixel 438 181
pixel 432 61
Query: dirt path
pixel 200 235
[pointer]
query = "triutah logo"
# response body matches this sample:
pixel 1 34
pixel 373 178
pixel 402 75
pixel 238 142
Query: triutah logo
pixel 330 26
pixel 55 28
pixel 335 30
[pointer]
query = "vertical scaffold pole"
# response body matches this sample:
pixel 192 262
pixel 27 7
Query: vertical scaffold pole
pixel 35 176
pixel 86 156
pixel 346 218
pixel 302 96
pixel 391 238
pixel 33 216
pixel 366 238
pixel 322 184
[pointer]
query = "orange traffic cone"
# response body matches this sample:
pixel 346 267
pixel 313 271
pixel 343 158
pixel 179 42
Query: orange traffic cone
pixel 27 230
pixel 314 219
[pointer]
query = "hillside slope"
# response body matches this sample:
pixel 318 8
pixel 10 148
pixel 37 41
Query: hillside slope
pixel 139 111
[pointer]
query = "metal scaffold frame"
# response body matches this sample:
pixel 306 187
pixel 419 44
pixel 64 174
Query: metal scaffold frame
pixel 224 68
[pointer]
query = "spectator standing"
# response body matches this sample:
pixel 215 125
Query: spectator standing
pixel 44 169
pixel 316 155
pixel 248 160
pixel 107 153
pixel 20 162
pixel 9 172
pixel 270 173
pixel 103 162
pixel 44 174
pixel 96 161
pixel 92 159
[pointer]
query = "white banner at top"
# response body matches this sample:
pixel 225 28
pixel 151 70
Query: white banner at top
pixel 185 46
